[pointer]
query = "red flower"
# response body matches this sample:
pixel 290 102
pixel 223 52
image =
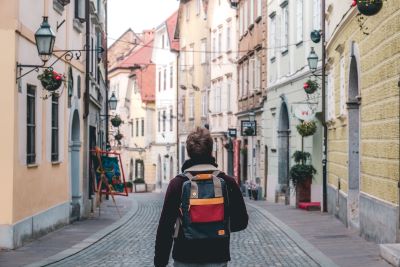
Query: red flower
pixel 58 77
pixel 354 3
pixel 306 85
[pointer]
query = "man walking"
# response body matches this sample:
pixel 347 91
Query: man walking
pixel 201 207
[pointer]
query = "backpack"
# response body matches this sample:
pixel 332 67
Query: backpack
pixel 204 205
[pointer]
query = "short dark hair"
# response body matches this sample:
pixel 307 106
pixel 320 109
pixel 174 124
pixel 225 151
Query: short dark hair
pixel 199 143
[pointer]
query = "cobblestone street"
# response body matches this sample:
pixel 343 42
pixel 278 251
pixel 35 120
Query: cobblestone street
pixel 262 244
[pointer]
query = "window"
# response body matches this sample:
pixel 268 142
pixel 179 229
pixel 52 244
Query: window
pixel 228 37
pixel 191 106
pixel 187 11
pixel 331 97
pixel 259 8
pixel 257 73
pixel 31 124
pixel 165 79
pixel 214 46
pixel 251 11
pixel 162 41
pixel 317 14
pixel 171 120
pixel 142 126
pixel 164 118
pixel 342 87
pixel 79 86
pixel 220 42
pixel 131 128
pixel 272 36
pixel 285 26
pixel 228 95
pixel 80 10
pixel 198 6
pixel 159 81
pixel 241 80
pixel 241 22
pixel 182 58
pixel 137 127
pixel 191 56
pixel 171 76
pixel 246 16
pixel 183 108
pixel 218 98
pixel 246 79
pixel 203 49
pixel 139 169
pixel 54 128
pixel 299 21
pixel 159 121
pixel 204 105
pixel 252 71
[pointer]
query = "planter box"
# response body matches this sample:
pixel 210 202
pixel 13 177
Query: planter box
pixel 140 188
pixel 303 192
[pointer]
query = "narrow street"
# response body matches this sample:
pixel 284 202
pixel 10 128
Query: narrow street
pixel 263 243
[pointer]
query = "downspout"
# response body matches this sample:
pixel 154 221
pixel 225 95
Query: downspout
pixel 87 47
pixel 177 112
pixel 325 128
pixel 106 68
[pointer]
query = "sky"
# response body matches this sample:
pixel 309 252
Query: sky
pixel 137 15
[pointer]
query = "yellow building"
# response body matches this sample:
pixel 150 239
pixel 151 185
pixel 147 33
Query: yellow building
pixel 363 61
pixel 194 69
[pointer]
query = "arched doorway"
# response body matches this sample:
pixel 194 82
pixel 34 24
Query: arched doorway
pixel 75 148
pixel 283 151
pixel 353 108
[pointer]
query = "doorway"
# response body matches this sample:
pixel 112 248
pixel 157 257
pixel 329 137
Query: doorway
pixel 265 171
pixel 283 150
pixel 159 173
pixel 75 148
pixel 353 108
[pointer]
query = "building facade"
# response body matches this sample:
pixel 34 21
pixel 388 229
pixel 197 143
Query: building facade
pixel 222 96
pixel 290 24
pixel 45 146
pixel 363 119
pixel 165 59
pixel 251 85
pixel 194 69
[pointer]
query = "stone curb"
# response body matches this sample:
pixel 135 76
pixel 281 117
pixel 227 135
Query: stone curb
pixel 88 241
pixel 303 244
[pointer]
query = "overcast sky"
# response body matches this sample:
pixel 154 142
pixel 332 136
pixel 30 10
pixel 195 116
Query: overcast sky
pixel 137 15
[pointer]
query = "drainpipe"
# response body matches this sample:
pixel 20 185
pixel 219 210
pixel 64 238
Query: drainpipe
pixel 325 128
pixel 177 113
pixel 106 68
pixel 87 47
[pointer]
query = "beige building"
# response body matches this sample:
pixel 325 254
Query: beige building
pixel 42 155
pixel 194 69
pixel 363 119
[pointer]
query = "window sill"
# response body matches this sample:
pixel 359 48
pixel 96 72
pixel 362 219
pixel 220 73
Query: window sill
pixel 300 43
pixel 220 56
pixel 78 26
pixel 245 33
pixel 273 150
pixel 32 165
pixel 58 7
pixel 285 52
pixel 273 59
pixel 258 19
pixel 229 51
pixel 56 162
pixel 251 26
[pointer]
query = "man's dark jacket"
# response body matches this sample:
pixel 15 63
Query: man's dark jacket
pixel 196 251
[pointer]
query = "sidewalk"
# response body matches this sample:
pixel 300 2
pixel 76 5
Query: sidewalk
pixel 66 237
pixel 343 246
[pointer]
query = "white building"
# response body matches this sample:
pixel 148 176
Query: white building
pixel 166 87
pixel 289 26
pixel 222 96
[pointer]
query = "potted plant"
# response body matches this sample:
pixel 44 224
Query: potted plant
pixel 310 86
pixel 116 121
pixel 50 79
pixel 140 185
pixel 129 186
pixel 307 128
pixel 369 7
pixel 301 175
pixel 118 136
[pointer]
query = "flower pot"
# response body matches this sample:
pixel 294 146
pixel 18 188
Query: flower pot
pixel 116 121
pixel 310 87
pixel 140 188
pixel 369 7
pixel 307 128
pixel 51 85
pixel 303 191
pixel 129 189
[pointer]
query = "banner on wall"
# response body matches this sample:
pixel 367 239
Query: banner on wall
pixel 236 160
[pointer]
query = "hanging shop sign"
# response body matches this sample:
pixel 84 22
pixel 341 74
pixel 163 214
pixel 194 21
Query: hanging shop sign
pixel 304 112
pixel 232 132
pixel 248 128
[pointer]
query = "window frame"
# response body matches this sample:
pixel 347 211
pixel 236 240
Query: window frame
pixel 31 124
pixel 55 139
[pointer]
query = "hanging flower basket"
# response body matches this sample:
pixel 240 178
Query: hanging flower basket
pixel 369 7
pixel 116 121
pixel 50 79
pixel 310 86
pixel 307 128
pixel 118 136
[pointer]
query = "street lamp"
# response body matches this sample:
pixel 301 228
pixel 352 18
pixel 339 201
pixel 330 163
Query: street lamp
pixel 112 102
pixel 312 60
pixel 45 39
